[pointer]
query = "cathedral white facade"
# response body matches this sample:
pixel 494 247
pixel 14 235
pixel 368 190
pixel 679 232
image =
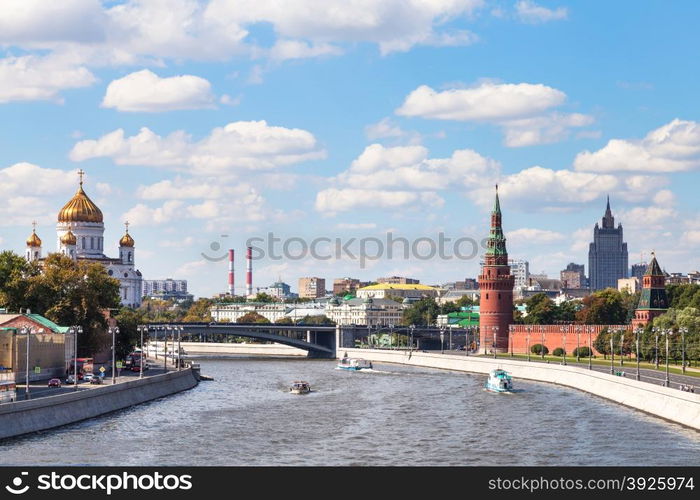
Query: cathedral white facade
pixel 80 236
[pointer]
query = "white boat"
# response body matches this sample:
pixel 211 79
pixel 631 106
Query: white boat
pixel 354 364
pixel 300 387
pixel 499 381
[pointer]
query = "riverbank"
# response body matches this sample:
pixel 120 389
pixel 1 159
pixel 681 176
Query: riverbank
pixel 24 417
pixel 220 349
pixel 667 403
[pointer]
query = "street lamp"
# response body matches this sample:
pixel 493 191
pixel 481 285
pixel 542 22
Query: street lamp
pixel 495 337
pixel 612 353
pixel 179 334
pixel 542 344
pixel 528 329
pixel 77 330
pixel 114 330
pixel 637 334
pixel 667 334
pixel 563 354
pixel 590 348
pixel 683 331
pixel 442 340
pixel 622 345
pixel 510 338
pixel 26 331
pixel 656 345
pixel 578 344
pixel 143 351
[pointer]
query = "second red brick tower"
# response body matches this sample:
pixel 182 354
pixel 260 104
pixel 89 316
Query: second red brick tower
pixel 496 289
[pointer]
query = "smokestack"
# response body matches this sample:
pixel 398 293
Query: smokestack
pixel 230 273
pixel 249 271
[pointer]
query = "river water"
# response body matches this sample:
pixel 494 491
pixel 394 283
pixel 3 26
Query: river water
pixel 393 415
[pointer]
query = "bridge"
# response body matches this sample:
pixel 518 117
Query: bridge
pixel 318 341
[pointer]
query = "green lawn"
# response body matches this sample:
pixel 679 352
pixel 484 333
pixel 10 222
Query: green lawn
pixel 628 364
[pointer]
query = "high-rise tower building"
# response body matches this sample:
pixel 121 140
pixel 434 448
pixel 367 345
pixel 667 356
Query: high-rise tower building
pixel 607 255
pixel 653 301
pixel 496 288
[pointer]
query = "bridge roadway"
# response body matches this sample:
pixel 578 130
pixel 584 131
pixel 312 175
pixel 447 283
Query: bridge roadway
pixel 320 341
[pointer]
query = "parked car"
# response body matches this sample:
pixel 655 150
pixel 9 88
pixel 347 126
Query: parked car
pixel 137 368
pixel 88 377
pixel 54 382
pixel 96 380
pixel 70 379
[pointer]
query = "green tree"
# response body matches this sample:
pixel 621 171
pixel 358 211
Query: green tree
pixel 284 320
pixel 604 307
pixel 253 317
pixel 128 321
pixel 15 273
pixel 421 313
pixel 316 320
pixel 264 297
pixel 200 311
pixel 540 310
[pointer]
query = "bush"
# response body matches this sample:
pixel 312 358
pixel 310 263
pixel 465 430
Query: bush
pixel 559 351
pixel 537 349
pixel 582 352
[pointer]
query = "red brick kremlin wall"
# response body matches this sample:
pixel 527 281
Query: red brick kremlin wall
pixel 554 337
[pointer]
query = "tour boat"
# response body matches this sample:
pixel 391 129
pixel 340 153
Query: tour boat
pixel 300 387
pixel 499 381
pixel 354 364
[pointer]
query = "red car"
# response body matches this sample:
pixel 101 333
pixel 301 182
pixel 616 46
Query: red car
pixel 54 382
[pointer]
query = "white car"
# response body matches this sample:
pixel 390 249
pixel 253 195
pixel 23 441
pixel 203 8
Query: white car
pixel 88 377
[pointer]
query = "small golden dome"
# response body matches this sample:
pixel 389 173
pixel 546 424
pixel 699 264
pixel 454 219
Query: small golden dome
pixel 33 240
pixel 127 240
pixel 80 208
pixel 69 238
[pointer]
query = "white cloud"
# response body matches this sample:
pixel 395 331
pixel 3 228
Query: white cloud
pixel 27 179
pixel 523 110
pixel 486 102
pixel 146 92
pixel 533 236
pixel 651 217
pixel 529 12
pixel 143 215
pixel 236 146
pixel 31 77
pixel 360 225
pixel 333 200
pixel 392 177
pixel 387 129
pixel 674 147
pixel 297 49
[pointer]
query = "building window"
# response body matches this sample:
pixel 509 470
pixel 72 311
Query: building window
pixel 84 243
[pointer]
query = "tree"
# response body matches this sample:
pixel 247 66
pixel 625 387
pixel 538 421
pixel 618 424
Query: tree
pixel 537 349
pixel 264 297
pixel 128 321
pixel 15 273
pixel 421 313
pixel 284 320
pixel 253 317
pixel 604 307
pixel 316 320
pixel 465 301
pixel 200 311
pixel 449 307
pixel 558 351
pixel 540 310
pixel 582 352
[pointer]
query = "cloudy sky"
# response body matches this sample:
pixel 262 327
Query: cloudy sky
pixel 206 123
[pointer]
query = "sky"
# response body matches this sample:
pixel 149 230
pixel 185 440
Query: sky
pixel 332 125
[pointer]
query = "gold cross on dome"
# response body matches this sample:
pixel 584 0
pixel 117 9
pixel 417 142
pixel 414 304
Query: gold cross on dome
pixel 81 173
pixel 127 226
pixel 34 225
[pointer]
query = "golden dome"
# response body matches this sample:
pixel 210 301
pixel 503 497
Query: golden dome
pixel 80 208
pixel 69 238
pixel 127 240
pixel 33 240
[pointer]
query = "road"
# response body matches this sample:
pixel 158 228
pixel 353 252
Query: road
pixel 629 369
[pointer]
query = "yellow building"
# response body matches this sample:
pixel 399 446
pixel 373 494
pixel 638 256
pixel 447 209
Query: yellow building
pixel 404 291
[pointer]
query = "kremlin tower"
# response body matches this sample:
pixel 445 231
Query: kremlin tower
pixel 496 288
pixel 653 301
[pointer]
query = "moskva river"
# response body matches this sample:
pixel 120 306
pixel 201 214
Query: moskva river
pixel 393 415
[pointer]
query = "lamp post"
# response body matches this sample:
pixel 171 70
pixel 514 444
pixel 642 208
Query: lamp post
pixel 578 344
pixel 179 335
pixel 563 354
pixel 683 331
pixel 495 337
pixel 165 349
pixel 637 334
pixel 412 327
pixel 442 340
pixel 77 330
pixel 542 344
pixel 528 329
pixel 590 348
pixel 667 334
pixel 115 330
pixel 622 345
pixel 656 346
pixel 612 353
pixel 143 351
pixel 26 332
pixel 510 339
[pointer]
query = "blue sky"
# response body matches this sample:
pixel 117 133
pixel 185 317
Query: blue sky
pixel 197 119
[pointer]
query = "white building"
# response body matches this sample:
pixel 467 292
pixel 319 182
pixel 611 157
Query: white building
pixel 520 269
pixel 365 311
pixel 80 236
pixel 231 312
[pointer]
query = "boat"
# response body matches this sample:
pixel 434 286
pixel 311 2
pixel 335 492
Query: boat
pixel 354 364
pixel 300 387
pixel 499 381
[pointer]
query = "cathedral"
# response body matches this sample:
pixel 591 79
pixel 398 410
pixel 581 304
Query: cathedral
pixel 80 236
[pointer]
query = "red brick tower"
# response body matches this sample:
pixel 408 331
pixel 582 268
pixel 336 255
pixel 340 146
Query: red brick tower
pixel 652 301
pixel 496 288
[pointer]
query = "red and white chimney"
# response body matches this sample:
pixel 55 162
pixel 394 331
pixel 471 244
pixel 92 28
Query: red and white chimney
pixel 249 271
pixel 230 273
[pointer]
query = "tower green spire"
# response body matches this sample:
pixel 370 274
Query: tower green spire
pixel 496 241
